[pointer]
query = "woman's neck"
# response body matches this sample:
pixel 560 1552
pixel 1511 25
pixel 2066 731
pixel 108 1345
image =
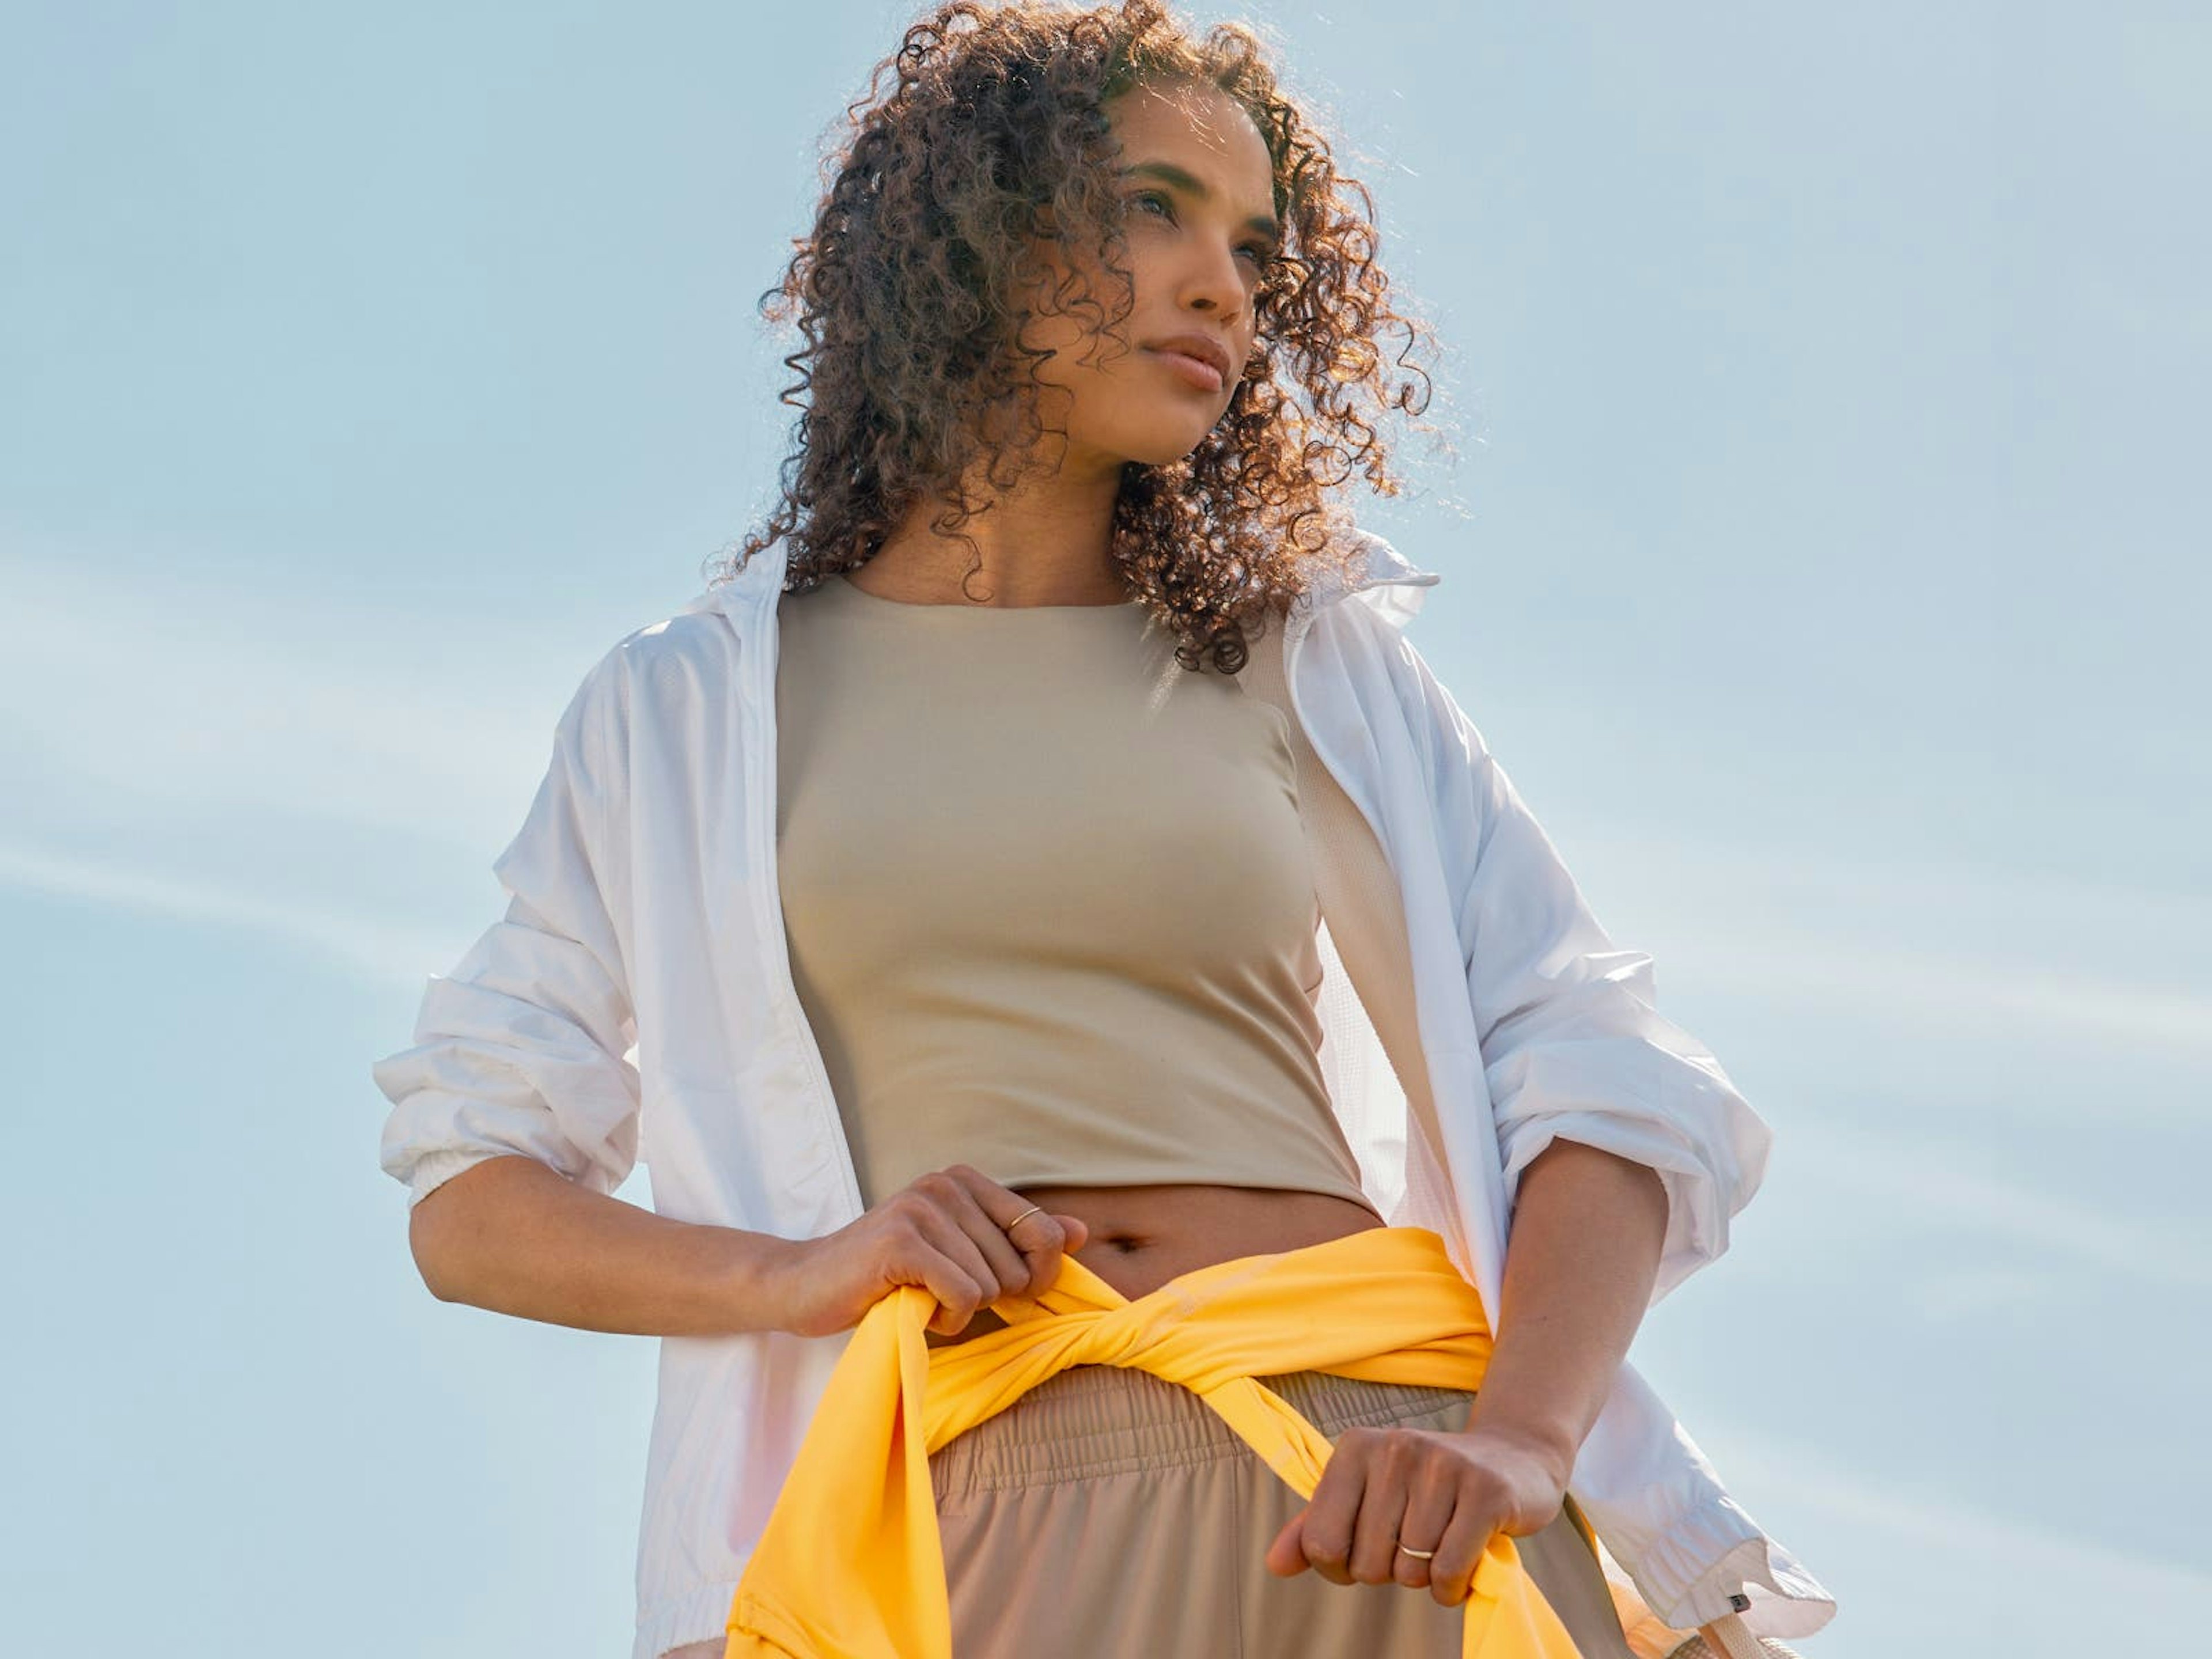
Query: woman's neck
pixel 1047 543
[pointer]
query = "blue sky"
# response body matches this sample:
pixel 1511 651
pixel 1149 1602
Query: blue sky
pixel 1816 561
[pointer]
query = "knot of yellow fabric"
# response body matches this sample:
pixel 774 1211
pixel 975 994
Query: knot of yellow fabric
pixel 851 1564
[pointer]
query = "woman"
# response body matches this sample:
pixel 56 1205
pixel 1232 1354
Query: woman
pixel 977 868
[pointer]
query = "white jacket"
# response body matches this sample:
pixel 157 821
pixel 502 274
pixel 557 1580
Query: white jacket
pixel 636 1002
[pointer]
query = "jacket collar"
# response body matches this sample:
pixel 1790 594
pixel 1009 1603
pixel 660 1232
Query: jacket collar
pixel 1383 579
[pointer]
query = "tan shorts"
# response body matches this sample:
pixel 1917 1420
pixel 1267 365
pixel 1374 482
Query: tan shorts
pixel 1109 1515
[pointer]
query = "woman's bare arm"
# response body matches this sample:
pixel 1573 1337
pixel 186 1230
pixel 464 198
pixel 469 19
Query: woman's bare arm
pixel 514 1236
pixel 511 1236
pixel 1583 1255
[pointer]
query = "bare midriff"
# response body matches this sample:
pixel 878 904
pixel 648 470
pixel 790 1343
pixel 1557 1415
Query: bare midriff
pixel 1142 1236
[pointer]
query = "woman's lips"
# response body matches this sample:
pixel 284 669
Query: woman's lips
pixel 1202 375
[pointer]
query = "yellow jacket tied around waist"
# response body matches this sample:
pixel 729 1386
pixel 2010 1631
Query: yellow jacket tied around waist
pixel 852 1565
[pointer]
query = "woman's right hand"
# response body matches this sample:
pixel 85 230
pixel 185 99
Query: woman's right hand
pixel 946 1232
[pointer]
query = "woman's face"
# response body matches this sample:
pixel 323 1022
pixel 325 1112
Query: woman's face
pixel 1197 185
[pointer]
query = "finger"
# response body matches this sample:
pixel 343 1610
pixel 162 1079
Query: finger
pixel 956 1274
pixel 1044 1239
pixel 957 1293
pixel 1010 1267
pixel 1428 1512
pixel 1475 1516
pixel 1287 1557
pixel 1383 1499
pixel 1038 1236
pixel 1326 1538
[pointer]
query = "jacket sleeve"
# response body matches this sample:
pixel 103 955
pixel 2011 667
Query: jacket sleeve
pixel 522 1047
pixel 1573 1046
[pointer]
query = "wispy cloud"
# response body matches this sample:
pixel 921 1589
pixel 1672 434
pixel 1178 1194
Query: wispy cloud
pixel 2111 1600
pixel 1993 993
pixel 2085 960
pixel 357 943
pixel 125 699
pixel 1945 1295
pixel 1948 1186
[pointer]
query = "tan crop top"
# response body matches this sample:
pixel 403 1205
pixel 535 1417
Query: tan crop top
pixel 1050 901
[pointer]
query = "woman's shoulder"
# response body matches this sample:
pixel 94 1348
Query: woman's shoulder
pixel 680 656
pixel 674 677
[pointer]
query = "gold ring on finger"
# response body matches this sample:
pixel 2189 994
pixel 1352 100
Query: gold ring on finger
pixel 1424 1555
pixel 1033 1209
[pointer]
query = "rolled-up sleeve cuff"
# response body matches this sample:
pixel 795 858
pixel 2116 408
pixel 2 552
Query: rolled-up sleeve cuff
pixel 1683 1119
pixel 1697 1221
pixel 434 1170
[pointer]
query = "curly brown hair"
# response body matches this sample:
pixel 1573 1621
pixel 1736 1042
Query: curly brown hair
pixel 910 294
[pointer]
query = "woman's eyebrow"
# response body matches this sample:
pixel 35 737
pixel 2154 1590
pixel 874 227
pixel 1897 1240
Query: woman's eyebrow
pixel 1169 173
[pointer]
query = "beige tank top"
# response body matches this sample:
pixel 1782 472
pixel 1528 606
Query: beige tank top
pixel 1051 907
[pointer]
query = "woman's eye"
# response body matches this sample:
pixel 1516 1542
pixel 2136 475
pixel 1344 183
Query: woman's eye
pixel 1260 253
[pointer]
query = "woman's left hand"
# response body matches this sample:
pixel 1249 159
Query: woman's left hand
pixel 1427 1489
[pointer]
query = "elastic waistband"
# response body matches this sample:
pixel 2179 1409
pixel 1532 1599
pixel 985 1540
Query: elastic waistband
pixel 1092 1420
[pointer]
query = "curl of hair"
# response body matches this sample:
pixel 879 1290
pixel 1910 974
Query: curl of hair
pixel 911 294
